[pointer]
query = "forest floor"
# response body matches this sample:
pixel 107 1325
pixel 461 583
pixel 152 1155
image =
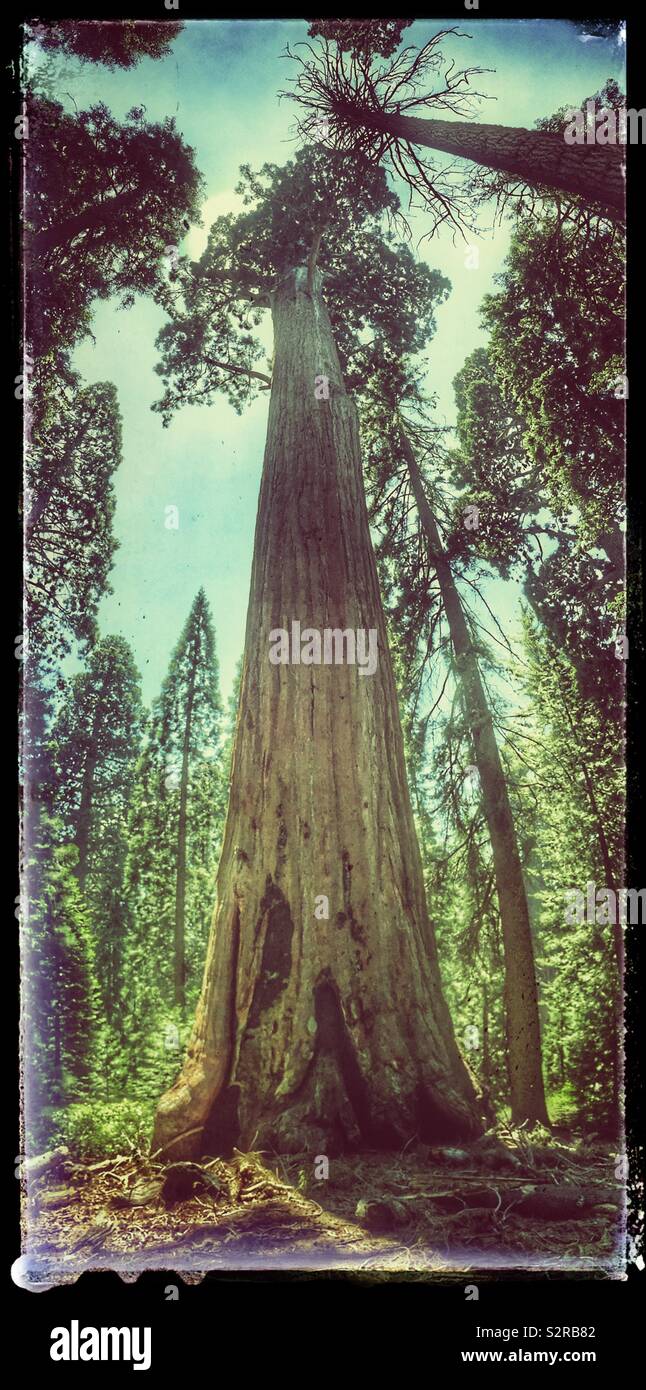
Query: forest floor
pixel 490 1206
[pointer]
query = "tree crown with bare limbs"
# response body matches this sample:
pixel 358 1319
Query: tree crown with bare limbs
pixel 346 99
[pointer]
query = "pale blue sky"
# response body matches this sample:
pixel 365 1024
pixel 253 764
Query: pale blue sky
pixel 221 82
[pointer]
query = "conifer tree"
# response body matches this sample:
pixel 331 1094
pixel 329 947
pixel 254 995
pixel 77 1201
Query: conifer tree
pixel 398 439
pixel 60 1005
pixel 175 824
pixel 104 202
pixel 95 742
pixel 188 715
pixel 299 1037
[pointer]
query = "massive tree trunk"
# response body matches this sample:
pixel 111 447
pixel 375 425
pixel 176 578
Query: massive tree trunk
pixel 521 996
pixel 316 1032
pixel 180 879
pixel 540 158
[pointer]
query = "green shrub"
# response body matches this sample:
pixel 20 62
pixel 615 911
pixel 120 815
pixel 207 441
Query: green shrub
pixel 94 1130
pixel 562 1105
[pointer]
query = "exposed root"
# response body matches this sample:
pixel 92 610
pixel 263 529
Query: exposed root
pixel 420 1211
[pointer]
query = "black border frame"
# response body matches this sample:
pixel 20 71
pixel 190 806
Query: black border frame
pixel 184 1337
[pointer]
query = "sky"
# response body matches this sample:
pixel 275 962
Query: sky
pixel 221 82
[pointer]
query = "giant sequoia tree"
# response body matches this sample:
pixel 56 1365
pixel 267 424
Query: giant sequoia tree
pixel 322 1019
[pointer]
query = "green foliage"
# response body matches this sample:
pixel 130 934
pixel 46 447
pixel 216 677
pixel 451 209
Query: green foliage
pixel 94 745
pixel 493 471
pixel 95 740
pixel 72 455
pixel 115 44
pixel 94 1130
pixel 60 1003
pixel 374 288
pixel 103 202
pixel 362 36
pixel 564 1107
pixel 180 764
pixel 610 98
pixel 579 791
pixel 573 586
pixel 557 328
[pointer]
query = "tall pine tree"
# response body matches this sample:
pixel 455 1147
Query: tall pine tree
pixel 176 817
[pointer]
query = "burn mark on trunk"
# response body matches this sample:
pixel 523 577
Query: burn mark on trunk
pixel 347 878
pixel 333 1037
pixel 222 1129
pixel 281 857
pixel 276 962
pixel 357 932
pixel 437 1120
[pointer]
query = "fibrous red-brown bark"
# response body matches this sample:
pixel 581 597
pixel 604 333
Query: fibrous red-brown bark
pixel 324 1032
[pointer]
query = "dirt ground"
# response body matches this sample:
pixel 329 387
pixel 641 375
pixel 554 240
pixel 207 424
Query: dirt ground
pixel 425 1211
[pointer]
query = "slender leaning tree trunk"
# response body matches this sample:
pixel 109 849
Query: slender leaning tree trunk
pixel 311 1031
pixel 521 995
pixel 540 158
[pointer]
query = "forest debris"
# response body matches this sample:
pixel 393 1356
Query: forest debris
pixel 546 1203
pixel 487 1152
pixel 251 1179
pixel 182 1180
pixel 140 1194
pixel 471 1222
pixel 544 1156
pixel 56 1197
pixel 381 1216
pixel 563 1203
pixel 552 1203
pixel 104 1165
pixel 94 1238
pixel 492 1152
pixel 47 1164
pixel 451 1217
pixel 453 1157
